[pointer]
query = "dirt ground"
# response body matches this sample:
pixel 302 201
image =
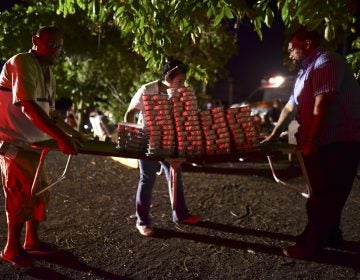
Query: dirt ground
pixel 246 220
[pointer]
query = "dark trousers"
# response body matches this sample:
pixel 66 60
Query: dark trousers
pixel 331 172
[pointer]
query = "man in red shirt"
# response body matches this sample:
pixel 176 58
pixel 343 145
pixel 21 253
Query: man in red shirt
pixel 27 93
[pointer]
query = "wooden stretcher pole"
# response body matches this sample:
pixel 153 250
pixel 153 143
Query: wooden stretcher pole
pixel 175 165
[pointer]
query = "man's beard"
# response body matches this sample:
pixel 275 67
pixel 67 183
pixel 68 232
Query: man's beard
pixel 295 65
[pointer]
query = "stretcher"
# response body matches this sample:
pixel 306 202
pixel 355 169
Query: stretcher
pixel 101 148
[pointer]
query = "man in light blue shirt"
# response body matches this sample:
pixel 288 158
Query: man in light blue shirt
pixel 327 101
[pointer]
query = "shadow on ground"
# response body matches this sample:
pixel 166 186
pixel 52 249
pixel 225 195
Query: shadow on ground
pixel 67 260
pixel 347 255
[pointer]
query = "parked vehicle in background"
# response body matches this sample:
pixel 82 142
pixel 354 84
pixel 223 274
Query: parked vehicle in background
pixel 268 99
pixel 275 89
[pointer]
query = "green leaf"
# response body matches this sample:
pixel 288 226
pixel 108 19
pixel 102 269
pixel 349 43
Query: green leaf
pixel 269 17
pixel 147 38
pixel 119 11
pixel 285 11
pixel 329 32
pixel 193 37
pixel 228 12
pixel 219 17
pixel 356 44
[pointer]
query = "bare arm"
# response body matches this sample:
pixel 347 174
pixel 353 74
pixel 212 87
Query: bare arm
pixel 284 119
pixel 65 127
pixel 44 123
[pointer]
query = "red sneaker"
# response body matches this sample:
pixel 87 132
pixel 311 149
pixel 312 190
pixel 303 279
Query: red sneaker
pixel 191 219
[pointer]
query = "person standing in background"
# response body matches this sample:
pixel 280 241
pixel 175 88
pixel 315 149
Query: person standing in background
pixel 100 127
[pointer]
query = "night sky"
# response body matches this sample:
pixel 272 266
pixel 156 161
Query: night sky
pixel 6 4
pixel 255 60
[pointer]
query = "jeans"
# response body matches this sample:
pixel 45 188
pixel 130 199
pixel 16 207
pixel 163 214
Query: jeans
pixel 148 169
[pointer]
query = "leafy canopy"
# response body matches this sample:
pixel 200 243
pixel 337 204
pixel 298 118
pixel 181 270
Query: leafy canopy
pixel 113 46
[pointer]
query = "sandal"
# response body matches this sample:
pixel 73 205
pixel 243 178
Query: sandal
pixel 20 261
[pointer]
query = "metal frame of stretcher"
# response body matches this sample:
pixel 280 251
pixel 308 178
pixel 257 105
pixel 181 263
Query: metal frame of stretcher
pixel 300 159
pixel 175 163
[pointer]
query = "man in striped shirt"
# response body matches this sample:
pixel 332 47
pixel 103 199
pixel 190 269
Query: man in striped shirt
pixel 327 101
